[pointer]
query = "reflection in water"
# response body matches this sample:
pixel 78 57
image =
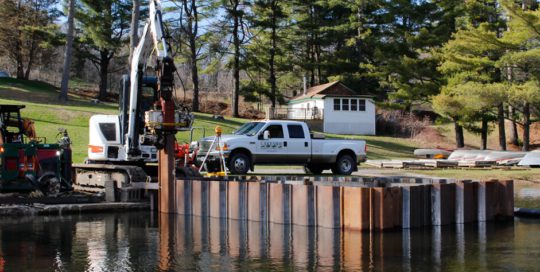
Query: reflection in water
pixel 150 242
pixel 527 194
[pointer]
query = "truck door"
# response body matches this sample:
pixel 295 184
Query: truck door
pixel 299 149
pixel 273 149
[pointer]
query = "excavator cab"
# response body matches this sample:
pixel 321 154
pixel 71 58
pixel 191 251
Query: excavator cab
pixel 28 163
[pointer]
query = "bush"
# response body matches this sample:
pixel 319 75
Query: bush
pixel 400 124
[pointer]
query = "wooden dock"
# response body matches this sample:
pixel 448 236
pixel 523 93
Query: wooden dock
pixel 369 204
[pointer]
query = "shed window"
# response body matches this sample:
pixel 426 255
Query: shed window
pixel 337 104
pixel 354 104
pixel 345 104
pixel 362 105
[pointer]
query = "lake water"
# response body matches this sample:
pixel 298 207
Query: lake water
pixel 142 241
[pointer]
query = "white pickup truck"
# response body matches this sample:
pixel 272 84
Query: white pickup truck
pixel 282 143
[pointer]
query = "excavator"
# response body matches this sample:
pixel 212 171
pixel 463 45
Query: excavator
pixel 123 148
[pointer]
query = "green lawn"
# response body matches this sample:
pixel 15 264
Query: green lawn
pixel 484 174
pixel 383 147
pixel 49 115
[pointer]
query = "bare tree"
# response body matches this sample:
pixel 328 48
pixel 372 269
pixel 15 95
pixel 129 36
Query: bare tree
pixel 134 29
pixel 69 49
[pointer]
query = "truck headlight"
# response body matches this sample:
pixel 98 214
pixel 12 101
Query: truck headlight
pixel 225 147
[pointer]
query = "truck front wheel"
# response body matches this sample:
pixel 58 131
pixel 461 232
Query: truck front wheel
pixel 239 164
pixel 344 165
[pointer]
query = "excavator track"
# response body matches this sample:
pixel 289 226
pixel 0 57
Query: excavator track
pixel 116 181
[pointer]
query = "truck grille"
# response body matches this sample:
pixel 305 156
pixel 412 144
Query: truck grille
pixel 204 146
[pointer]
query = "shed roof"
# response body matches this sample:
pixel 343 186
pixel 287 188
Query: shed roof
pixel 335 88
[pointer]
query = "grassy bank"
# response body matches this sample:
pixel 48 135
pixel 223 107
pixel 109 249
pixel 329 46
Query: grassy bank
pixel 524 174
pixel 43 107
pixel 49 115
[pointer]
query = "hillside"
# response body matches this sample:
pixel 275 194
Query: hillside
pixel 49 115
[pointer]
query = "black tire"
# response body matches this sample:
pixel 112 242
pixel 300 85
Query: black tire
pixel 239 164
pixel 52 186
pixel 313 169
pixel 344 165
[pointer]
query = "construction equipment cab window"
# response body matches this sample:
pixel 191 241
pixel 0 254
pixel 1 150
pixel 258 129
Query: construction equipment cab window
pixel 109 131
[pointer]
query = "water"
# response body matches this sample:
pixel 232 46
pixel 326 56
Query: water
pixel 152 242
pixel 144 241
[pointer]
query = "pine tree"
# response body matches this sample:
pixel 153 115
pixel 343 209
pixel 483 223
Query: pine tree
pixel 105 26
pixel 469 59
pixel 522 56
pixel 268 22
pixel 235 26
pixel 28 33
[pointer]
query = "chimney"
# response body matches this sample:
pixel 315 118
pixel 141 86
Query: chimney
pixel 305 84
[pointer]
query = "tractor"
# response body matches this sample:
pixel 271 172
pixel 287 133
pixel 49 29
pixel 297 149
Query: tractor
pixel 27 162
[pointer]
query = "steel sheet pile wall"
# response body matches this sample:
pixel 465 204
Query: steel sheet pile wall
pixel 359 205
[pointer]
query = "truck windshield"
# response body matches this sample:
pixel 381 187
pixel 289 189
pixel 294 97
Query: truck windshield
pixel 249 129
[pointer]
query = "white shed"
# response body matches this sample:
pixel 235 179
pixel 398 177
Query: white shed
pixel 341 110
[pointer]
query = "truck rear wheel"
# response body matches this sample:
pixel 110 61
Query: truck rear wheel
pixel 344 165
pixel 313 169
pixel 239 164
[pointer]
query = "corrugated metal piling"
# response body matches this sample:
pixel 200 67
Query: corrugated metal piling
pixel 347 203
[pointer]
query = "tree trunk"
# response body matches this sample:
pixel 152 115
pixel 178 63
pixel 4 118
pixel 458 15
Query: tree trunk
pixel 460 141
pixel 272 79
pixel 195 79
pixel 526 126
pixel 318 60
pixel 31 57
pixel 134 29
pixel 502 130
pixel 236 67
pixel 310 44
pixel 103 72
pixel 193 28
pixel 19 55
pixel 514 136
pixel 20 70
pixel 484 133
pixel 67 56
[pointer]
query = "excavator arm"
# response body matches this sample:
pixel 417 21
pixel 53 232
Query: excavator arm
pixel 165 118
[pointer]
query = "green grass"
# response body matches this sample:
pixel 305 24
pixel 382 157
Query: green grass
pixel 43 107
pixel 49 114
pixel 26 86
pixel 484 174
pixel 77 83
pixel 383 147
pixel 205 125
